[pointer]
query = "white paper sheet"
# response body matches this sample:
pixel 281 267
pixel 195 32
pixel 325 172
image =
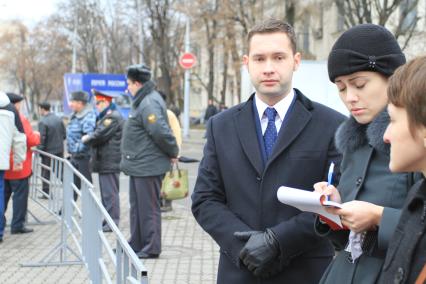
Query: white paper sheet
pixel 309 201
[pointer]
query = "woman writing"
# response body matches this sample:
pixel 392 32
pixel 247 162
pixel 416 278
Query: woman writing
pixel 360 63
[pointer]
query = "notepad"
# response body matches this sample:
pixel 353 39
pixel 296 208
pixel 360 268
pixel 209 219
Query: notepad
pixel 308 201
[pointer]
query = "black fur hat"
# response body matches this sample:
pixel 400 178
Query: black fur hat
pixel 81 96
pixel 140 73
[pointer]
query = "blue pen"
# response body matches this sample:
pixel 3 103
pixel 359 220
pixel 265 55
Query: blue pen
pixel 330 176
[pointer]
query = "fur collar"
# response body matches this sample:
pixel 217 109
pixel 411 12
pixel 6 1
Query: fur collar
pixel 351 135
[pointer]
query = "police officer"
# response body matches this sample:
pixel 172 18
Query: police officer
pixel 148 147
pixel 105 159
pixel 82 122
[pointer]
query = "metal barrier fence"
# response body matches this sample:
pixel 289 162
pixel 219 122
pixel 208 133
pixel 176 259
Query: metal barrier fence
pixel 82 239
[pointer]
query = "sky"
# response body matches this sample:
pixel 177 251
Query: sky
pixel 29 11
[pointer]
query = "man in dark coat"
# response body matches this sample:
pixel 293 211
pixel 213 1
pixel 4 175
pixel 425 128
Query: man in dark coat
pixel 148 147
pixel 106 155
pixel 278 137
pixel 52 136
pixel 210 110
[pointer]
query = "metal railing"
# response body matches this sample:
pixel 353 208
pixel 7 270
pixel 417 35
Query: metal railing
pixel 82 239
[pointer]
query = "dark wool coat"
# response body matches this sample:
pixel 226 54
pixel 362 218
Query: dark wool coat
pixel 236 191
pixel 365 176
pixel 406 255
pixel 52 134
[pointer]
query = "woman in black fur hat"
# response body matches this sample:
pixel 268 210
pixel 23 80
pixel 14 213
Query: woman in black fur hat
pixel 360 63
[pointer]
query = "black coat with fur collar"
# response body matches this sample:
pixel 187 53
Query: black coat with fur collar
pixel 365 176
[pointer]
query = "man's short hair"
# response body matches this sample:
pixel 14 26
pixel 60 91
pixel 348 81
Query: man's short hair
pixel 407 89
pixel 273 26
pixel 44 105
pixel 139 73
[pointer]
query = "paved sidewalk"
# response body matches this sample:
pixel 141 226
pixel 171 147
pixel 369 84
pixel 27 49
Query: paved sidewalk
pixel 189 254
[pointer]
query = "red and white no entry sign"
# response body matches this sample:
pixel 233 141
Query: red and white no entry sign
pixel 187 60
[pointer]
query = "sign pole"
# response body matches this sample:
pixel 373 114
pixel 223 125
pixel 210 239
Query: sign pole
pixel 187 82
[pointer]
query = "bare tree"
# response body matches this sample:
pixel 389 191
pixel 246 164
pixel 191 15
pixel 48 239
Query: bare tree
pixel 14 59
pixel 362 11
pixel 48 60
pixel 166 29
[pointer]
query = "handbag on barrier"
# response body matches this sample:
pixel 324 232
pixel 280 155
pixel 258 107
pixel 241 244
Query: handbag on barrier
pixel 175 184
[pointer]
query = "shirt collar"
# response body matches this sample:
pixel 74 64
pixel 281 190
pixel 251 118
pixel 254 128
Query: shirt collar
pixel 281 107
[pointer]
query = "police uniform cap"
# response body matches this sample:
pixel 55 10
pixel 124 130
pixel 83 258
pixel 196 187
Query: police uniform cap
pixel 102 96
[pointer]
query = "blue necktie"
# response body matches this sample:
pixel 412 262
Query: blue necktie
pixel 270 135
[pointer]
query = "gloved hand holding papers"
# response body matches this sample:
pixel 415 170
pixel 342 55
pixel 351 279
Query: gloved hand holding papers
pixel 309 201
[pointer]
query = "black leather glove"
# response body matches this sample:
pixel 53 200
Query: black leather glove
pixel 260 249
pixel 269 270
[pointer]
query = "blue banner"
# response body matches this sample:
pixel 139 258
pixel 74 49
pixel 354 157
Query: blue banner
pixel 110 83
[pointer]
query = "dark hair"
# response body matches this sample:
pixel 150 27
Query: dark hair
pixel 273 26
pixel 44 105
pixel 407 89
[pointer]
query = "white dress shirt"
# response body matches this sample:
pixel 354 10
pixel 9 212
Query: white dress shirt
pixel 281 107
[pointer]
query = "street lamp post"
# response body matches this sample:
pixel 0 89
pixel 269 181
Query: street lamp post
pixel 187 85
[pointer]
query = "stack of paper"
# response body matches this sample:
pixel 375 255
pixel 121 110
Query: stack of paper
pixel 309 201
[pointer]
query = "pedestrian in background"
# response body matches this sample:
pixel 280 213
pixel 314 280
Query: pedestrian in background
pixel 222 107
pixel 148 146
pixel 278 137
pixel 82 122
pixel 105 159
pixel 406 257
pixel 11 140
pixel 210 110
pixel 360 63
pixel 52 135
pixel 166 205
pixel 17 182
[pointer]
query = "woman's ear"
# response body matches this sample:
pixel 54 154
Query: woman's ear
pixel 423 135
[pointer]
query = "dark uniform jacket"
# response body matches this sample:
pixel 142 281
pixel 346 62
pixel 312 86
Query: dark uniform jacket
pixel 105 142
pixel 365 176
pixel 236 191
pixel 52 134
pixel 406 255
pixel 148 143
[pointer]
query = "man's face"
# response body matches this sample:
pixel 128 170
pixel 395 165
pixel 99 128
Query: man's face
pixel 76 106
pixel 271 63
pixel 42 111
pixel 133 87
pixel 18 105
pixel 101 105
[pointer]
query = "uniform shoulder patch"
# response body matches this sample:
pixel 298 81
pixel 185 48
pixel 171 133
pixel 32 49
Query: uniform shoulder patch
pixel 152 118
pixel 107 122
